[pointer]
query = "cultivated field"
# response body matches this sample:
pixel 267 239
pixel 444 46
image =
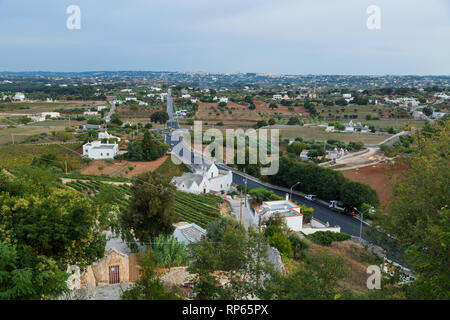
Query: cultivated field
pixel 14 156
pixel 20 134
pixel 38 107
pixel 318 133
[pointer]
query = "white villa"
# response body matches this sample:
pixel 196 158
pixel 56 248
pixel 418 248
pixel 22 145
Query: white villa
pixel 99 150
pixel 206 178
pixel 19 96
pixel 50 114
pixel 292 215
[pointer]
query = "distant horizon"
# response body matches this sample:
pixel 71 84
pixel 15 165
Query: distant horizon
pixel 232 72
pixel 289 37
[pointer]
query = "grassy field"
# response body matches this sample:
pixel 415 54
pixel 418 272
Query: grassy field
pixel 318 133
pixel 396 124
pixel 14 156
pixel 20 134
pixel 38 107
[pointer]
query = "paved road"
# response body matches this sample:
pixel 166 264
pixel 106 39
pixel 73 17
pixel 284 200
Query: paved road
pixel 348 224
pixel 111 112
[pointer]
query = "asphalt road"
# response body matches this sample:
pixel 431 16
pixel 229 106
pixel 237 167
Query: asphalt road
pixel 348 224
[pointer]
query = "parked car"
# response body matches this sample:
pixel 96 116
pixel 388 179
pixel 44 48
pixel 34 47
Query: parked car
pixel 341 207
pixel 310 197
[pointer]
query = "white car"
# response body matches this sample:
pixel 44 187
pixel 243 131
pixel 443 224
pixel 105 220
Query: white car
pixel 310 197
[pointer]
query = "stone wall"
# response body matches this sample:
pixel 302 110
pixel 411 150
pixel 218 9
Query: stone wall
pixel 113 258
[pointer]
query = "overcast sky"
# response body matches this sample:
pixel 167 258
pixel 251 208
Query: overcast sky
pixel 276 36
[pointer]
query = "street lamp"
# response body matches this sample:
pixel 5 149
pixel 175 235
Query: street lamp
pixel 361 225
pixel 293 187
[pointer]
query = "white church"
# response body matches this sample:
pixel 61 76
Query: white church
pixel 206 178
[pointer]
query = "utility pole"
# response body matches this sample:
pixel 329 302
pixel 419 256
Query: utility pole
pixel 246 192
pixel 240 211
pixel 65 164
pixel 361 227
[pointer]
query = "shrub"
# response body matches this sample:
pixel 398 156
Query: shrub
pixel 281 242
pixel 325 238
pixel 299 245
pixel 168 252
pixel 271 230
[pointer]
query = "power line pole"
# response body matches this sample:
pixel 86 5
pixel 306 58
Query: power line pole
pixel 246 192
pixel 240 211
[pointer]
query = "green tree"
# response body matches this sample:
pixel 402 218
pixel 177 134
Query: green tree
pixel 150 211
pixel 418 218
pixel 159 117
pixel 231 251
pixel 44 228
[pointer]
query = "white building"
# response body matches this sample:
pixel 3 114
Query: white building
pixel 19 96
pixel 50 114
pixel 106 135
pixel 441 95
pixel 206 178
pixel 292 216
pixel 438 115
pixel 288 210
pixel 90 113
pixel 277 97
pixel 99 150
pixel 37 118
pixel 223 99
pixel 188 232
pixel 186 96
pixel 100 108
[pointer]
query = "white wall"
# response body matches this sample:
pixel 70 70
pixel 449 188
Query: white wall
pixel 294 223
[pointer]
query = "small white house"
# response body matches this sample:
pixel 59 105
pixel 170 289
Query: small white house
pixel 285 208
pixel 37 118
pixel 50 115
pixel 100 108
pixel 292 216
pixel 223 99
pixel 206 178
pixel 19 96
pixel 99 150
